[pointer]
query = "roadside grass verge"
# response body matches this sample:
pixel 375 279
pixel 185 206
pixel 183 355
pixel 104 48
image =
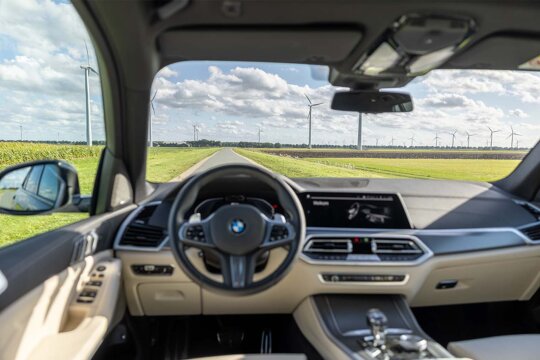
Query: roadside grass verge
pixel 302 168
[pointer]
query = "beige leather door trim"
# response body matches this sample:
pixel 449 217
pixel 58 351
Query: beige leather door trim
pixel 50 322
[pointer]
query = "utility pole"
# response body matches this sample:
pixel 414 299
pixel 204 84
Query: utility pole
pixel 20 128
pixel 194 133
pixel 359 144
pixel 260 135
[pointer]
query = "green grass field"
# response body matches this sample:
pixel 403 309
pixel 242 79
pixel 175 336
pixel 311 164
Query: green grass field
pixel 455 169
pixel 164 164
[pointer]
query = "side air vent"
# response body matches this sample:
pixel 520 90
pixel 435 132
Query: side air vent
pixel 343 246
pixel 143 235
pixel 532 209
pixel 532 232
pixel 139 233
pixel 393 246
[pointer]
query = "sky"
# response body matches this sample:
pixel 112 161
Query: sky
pixel 42 91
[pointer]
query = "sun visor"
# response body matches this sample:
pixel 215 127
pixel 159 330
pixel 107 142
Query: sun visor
pixel 502 52
pixel 315 46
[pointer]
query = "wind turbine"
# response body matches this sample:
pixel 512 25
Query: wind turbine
pixel 20 128
pixel 150 140
pixel 260 131
pixel 412 140
pixel 359 143
pixel 453 137
pixel 512 134
pixel 392 141
pixel 311 105
pixel 469 139
pixel 195 133
pixel 491 137
pixel 437 138
pixel 87 68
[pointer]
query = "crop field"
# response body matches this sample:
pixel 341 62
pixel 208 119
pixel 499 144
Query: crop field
pixel 403 164
pixel 164 164
pixel 382 153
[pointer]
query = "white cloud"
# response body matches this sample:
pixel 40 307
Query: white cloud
pixel 518 113
pixel 41 82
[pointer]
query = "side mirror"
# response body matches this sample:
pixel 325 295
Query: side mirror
pixel 370 101
pixel 38 187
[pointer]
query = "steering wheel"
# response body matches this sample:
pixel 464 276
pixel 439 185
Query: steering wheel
pixel 237 234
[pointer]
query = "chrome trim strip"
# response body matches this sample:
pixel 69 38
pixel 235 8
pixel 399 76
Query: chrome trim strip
pixel 427 251
pixel 367 332
pixel 125 224
pixel 3 283
pixel 419 232
pixel 376 283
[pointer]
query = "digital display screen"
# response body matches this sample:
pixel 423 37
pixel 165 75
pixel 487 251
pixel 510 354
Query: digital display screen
pixel 360 211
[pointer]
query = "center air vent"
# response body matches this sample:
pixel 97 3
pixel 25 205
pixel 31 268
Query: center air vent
pixel 365 249
pixel 393 246
pixel 139 232
pixel 343 246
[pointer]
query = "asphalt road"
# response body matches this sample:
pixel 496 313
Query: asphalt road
pixel 223 156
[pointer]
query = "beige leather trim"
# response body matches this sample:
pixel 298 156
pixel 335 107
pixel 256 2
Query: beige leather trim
pixel 48 323
pixel 505 274
pixel 522 347
pixel 308 320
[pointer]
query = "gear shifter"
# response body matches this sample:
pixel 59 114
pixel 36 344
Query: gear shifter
pixel 376 320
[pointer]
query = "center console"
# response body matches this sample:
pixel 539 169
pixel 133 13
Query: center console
pixel 367 327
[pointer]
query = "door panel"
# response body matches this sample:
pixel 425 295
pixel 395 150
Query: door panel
pixel 51 322
pixel 28 263
pixel 45 277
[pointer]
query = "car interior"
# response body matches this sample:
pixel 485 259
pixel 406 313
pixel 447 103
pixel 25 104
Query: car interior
pixel 235 261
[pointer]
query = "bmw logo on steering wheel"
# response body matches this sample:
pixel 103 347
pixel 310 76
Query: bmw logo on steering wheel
pixel 237 226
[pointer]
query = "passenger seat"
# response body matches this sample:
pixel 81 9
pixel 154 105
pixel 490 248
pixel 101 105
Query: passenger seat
pixel 522 347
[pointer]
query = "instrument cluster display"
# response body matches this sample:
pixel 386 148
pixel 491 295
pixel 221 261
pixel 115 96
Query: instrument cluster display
pixel 353 210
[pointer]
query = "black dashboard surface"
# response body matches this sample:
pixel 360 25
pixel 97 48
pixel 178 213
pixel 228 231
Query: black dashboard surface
pixel 430 204
pixel 437 204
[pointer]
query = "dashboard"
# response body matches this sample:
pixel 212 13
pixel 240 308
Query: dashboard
pixel 435 242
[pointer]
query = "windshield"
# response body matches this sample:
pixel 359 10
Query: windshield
pixel 466 124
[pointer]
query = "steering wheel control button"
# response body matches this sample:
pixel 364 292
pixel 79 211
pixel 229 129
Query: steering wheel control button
pixel 195 233
pixel 279 232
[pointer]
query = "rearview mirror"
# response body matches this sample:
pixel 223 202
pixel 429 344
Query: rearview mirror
pixel 375 102
pixel 38 187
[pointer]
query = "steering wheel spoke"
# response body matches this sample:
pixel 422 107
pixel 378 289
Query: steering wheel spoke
pixel 237 270
pixel 196 234
pixel 278 233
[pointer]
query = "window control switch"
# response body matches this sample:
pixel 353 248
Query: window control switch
pixel 94 283
pixel 88 293
pixel 85 300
